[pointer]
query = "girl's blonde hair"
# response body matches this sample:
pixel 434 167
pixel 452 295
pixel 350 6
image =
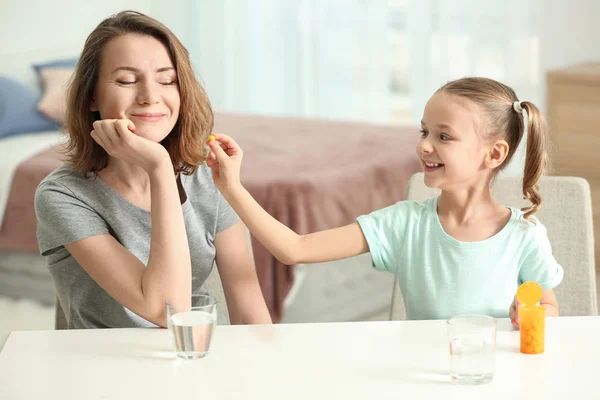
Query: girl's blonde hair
pixel 495 100
pixel 184 143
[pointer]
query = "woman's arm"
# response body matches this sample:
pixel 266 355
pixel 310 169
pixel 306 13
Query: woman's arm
pixel 286 245
pixel 244 297
pixel 167 277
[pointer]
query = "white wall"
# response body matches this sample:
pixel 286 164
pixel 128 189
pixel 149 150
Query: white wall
pixel 574 39
pixel 40 30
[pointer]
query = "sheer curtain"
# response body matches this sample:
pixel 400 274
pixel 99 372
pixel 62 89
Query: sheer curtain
pixel 365 59
pixel 451 39
pixel 378 60
pixel 309 57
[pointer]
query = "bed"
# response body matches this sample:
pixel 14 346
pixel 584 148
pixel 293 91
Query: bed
pixel 23 273
pixel 310 174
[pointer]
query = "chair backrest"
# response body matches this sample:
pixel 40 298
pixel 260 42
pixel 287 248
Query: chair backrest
pixel 567 215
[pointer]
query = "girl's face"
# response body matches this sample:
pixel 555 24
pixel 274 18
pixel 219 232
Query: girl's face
pixel 137 81
pixel 451 150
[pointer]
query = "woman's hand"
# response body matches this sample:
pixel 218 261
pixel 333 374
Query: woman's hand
pixel 117 137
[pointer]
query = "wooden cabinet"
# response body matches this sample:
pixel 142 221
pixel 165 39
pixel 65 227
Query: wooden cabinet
pixel 573 112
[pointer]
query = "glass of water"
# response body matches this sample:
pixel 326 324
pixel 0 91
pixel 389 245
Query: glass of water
pixel 191 328
pixel 472 349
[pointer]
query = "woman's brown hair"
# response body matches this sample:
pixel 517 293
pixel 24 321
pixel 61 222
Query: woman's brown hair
pixel 185 143
pixel 496 101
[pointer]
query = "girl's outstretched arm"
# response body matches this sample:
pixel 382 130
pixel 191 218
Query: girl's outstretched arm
pixel 287 246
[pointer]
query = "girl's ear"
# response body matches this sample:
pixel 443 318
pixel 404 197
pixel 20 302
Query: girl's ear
pixel 497 154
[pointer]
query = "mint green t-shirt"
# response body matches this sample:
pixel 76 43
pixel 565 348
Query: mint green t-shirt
pixel 441 277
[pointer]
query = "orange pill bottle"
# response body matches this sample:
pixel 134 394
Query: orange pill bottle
pixel 532 318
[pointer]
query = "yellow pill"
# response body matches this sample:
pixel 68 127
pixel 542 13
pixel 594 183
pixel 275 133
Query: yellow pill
pixel 211 138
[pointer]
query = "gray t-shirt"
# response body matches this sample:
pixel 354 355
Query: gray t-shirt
pixel 70 207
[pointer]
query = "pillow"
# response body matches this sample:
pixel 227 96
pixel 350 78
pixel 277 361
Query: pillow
pixel 18 112
pixel 54 98
pixel 54 77
pixel 65 63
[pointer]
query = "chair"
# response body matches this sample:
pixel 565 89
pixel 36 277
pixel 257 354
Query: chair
pixel 566 213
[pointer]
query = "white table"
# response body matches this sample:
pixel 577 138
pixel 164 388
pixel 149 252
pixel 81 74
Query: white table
pixel 366 360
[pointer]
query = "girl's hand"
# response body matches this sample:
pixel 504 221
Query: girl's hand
pixel 225 159
pixel 117 137
pixel 513 313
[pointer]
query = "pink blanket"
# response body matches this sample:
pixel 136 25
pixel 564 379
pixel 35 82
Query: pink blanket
pixel 313 175
pixel 309 174
pixel 18 226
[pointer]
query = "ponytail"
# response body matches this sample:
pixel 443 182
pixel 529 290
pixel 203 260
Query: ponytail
pixel 536 157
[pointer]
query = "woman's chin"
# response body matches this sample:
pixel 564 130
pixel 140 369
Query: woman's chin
pixel 151 134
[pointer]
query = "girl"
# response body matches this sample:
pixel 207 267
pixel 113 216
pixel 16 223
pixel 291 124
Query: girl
pixel 458 253
pixel 133 219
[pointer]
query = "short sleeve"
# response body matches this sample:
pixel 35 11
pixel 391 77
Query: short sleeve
pixel 539 265
pixel 226 217
pixel 384 231
pixel 63 218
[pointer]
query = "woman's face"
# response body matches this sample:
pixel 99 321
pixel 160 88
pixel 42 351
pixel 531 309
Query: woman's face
pixel 137 81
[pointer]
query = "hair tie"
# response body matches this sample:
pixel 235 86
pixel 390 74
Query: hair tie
pixel 518 108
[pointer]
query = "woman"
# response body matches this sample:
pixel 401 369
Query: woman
pixel 133 219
